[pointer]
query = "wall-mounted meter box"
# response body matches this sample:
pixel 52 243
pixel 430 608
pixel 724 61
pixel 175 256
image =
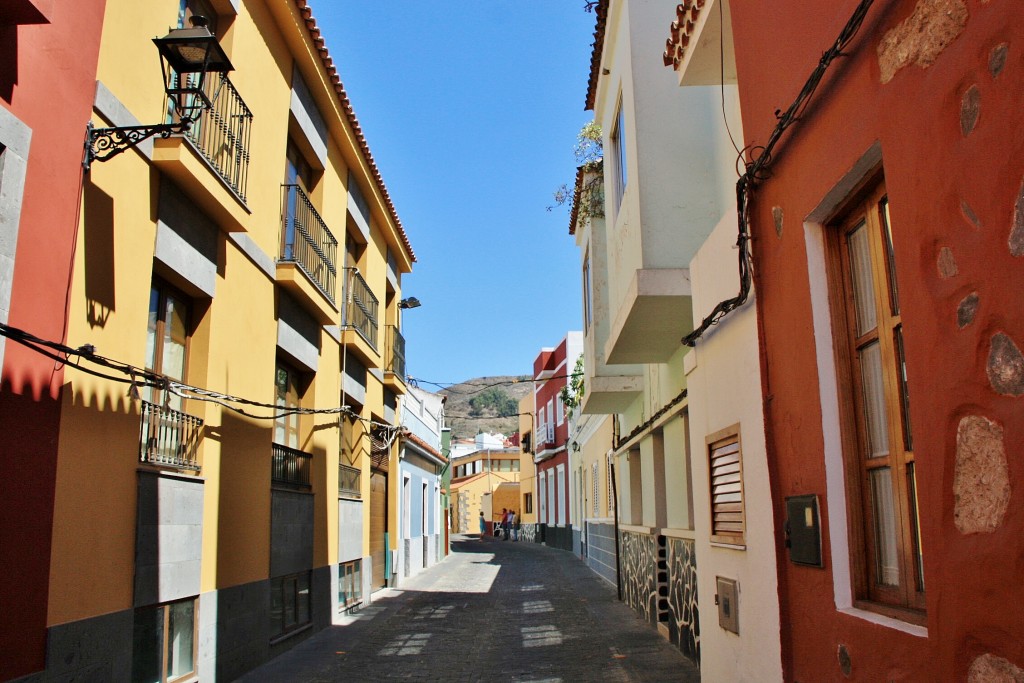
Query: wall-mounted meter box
pixel 727 599
pixel 803 530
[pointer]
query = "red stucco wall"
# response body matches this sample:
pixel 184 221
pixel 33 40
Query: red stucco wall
pixel 47 80
pixel 931 167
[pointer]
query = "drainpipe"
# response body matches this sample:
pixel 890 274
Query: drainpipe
pixel 615 513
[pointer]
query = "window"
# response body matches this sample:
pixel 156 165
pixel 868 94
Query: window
pixel 560 411
pixel 298 181
pixel 611 489
pixel 878 444
pixel 594 476
pixel 289 603
pixel 588 307
pixel 725 477
pixel 515 465
pixel 527 503
pixel 167 339
pixel 286 397
pixel 191 8
pixel 541 427
pixel 620 176
pixel 350 584
pixel 164 642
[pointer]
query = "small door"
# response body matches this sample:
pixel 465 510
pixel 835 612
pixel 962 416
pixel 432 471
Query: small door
pixel 378 525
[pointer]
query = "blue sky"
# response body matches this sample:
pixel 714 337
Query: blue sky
pixel 471 110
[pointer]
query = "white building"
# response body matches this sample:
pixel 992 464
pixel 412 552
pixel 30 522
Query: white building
pixel 421 526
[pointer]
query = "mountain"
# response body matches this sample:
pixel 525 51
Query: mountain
pixel 485 404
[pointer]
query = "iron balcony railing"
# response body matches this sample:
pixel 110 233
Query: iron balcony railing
pixel 290 467
pixel 394 352
pixel 361 311
pixel 307 242
pixel 349 479
pixel 221 134
pixel 169 438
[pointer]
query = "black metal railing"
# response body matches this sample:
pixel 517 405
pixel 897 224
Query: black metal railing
pixel 306 240
pixel 169 438
pixel 290 467
pixel 394 352
pixel 349 479
pixel 361 313
pixel 221 134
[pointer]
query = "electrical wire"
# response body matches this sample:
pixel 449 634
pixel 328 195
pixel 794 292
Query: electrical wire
pixel 140 377
pixel 757 171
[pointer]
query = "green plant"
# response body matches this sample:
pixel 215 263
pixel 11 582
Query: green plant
pixel 572 392
pixel 586 197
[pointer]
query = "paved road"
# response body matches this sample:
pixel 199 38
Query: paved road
pixel 492 611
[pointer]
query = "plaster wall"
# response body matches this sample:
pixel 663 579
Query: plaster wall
pixel 724 384
pixel 949 134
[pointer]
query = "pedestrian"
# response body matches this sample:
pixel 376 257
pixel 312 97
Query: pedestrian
pixel 483 527
pixel 513 523
pixel 504 524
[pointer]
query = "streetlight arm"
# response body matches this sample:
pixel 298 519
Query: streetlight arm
pixel 103 143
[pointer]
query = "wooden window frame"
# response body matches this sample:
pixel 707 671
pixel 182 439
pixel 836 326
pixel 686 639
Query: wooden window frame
pixel 165 631
pixel 291 580
pixel 528 503
pixel 715 443
pixel 164 290
pixel 289 420
pixel 620 176
pixel 868 208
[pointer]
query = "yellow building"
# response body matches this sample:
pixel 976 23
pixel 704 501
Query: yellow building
pixel 257 256
pixel 476 480
pixel 527 468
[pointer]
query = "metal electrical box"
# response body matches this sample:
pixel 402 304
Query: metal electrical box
pixel 727 599
pixel 803 530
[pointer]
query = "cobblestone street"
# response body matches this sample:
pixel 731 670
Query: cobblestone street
pixel 492 611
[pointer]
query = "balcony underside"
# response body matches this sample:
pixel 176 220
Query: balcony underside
pixel 295 281
pixel 394 382
pixel 656 312
pixel 610 395
pixel 178 159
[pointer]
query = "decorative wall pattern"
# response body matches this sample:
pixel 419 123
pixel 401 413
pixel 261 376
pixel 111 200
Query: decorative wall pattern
pixel 528 532
pixel 684 618
pixel 638 565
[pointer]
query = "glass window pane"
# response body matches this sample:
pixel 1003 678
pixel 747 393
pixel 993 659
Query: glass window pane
pixel 883 509
pixel 181 643
pixel 901 371
pixel 894 292
pixel 863 280
pixel 154 311
pixel 147 645
pixel 874 401
pixel 915 526
pixel 302 598
pixel 277 605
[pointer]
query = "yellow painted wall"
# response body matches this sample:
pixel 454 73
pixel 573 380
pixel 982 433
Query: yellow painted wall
pixel 233 348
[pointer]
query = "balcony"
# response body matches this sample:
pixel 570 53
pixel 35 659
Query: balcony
pixel 361 309
pixel 289 467
pixel 217 144
pixel 169 438
pixel 308 254
pixel 349 481
pixel 394 354
pixel 655 312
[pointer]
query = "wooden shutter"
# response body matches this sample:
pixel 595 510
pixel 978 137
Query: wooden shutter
pixel 726 478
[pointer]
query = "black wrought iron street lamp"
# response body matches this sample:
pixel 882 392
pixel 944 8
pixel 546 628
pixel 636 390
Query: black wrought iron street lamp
pixel 187 55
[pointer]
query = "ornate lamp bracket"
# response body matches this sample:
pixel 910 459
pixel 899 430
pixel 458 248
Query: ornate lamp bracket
pixel 103 143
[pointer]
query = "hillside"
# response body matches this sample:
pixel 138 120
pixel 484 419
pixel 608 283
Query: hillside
pixel 485 404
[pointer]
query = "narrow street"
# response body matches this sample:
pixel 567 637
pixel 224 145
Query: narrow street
pixel 492 611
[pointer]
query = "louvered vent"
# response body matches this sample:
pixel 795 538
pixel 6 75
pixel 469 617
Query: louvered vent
pixel 726 492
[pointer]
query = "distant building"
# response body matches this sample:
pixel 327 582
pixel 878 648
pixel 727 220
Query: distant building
pixel 550 441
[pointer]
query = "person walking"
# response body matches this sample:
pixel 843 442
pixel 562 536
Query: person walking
pixel 503 525
pixel 513 522
pixel 483 527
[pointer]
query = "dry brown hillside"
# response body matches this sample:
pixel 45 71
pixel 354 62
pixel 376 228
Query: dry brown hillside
pixel 485 404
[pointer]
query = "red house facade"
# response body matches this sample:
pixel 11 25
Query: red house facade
pixel 47 86
pixel 551 435
pixel 886 225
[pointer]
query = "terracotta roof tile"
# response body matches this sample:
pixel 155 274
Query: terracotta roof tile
pixel 681 32
pixel 346 106
pixel 595 57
